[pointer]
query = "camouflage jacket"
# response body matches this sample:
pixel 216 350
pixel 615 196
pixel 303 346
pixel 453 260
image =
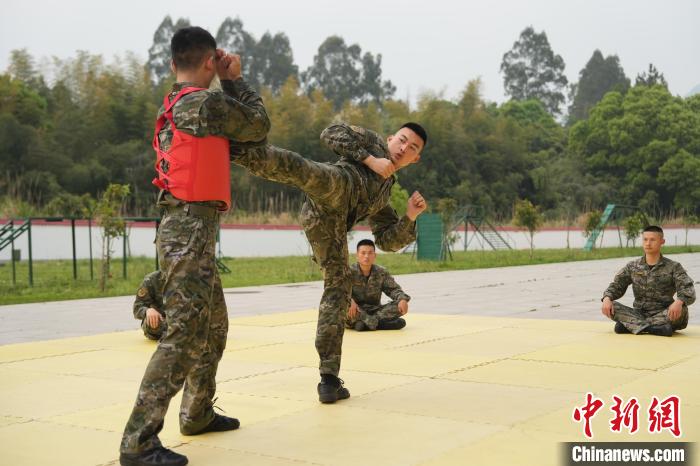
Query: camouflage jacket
pixel 149 294
pixel 235 112
pixel 369 289
pixel 653 286
pixel 372 194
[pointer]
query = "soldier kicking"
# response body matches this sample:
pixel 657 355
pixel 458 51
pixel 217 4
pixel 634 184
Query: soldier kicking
pixel 338 196
pixel 369 281
pixel 654 279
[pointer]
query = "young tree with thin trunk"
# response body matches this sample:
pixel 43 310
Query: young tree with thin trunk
pixel 108 214
pixel 528 216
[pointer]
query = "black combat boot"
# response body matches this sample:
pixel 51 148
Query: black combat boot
pixel 331 389
pixel 159 456
pixel 219 424
pixel 391 324
pixel 620 328
pixel 360 327
pixel 664 330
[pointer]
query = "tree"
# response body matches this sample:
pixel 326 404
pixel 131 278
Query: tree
pixel 681 173
pixel 627 141
pixel 447 207
pixel 528 216
pixel 372 88
pixel 159 55
pixel 652 77
pixel 599 76
pixel 632 226
pixel 335 71
pixel 70 205
pixel 16 140
pixel 22 68
pixel 108 214
pixel 267 62
pixel 688 220
pixel 233 38
pixel 343 73
pixel 20 100
pixel 531 70
pixel 590 222
pixel 273 62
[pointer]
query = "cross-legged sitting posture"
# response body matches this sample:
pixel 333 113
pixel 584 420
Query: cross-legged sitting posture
pixel 369 281
pixel 654 279
pixel 148 306
pixel 338 196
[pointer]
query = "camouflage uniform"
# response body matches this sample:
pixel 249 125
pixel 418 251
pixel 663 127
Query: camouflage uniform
pixel 194 307
pixel 150 295
pixel 653 287
pixel 338 196
pixel 367 294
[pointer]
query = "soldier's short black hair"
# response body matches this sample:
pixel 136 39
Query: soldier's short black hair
pixel 190 45
pixel 654 229
pixel 418 129
pixel 366 242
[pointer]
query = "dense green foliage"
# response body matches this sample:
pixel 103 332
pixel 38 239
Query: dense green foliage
pixel 71 127
pixel 644 146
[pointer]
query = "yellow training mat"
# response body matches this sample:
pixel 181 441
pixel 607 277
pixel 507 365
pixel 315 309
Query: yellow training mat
pixel 446 390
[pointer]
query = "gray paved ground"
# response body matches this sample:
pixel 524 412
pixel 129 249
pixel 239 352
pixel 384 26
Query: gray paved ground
pixel 568 290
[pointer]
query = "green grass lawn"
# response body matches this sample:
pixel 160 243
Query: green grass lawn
pixel 53 280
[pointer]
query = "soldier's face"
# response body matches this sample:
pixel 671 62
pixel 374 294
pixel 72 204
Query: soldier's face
pixel 366 255
pixel 652 242
pixel 404 147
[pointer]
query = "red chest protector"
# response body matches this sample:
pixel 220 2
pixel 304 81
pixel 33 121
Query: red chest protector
pixel 198 167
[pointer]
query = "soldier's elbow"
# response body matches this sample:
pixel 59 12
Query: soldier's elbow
pixel 327 137
pixel 262 127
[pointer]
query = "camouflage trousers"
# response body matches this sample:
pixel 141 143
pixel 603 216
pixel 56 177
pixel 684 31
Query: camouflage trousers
pixel 371 314
pixel 154 333
pixel 637 320
pixel 197 325
pixel 328 189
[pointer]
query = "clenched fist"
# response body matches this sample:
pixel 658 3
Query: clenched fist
pixel 416 205
pixel 382 167
pixel 228 65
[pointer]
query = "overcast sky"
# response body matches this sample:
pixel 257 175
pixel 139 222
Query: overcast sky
pixel 435 45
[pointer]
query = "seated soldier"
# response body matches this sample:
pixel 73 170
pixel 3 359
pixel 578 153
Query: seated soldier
pixel 148 306
pixel 654 280
pixel 369 281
